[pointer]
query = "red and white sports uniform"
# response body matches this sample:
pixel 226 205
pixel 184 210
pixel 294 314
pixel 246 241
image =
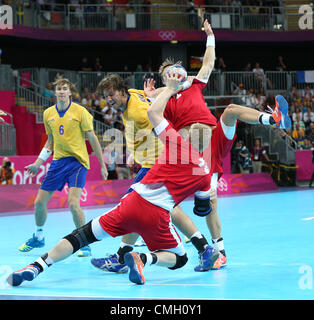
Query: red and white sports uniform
pixel 179 172
pixel 222 141
pixel 188 106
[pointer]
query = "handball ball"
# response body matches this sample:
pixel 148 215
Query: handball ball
pixel 179 70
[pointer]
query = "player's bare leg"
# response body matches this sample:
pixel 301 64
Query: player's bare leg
pixel 74 198
pixel 40 204
pixel 214 226
pixel 183 222
pixel 78 216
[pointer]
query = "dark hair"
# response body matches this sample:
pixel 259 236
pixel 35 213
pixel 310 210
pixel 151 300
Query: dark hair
pixel 111 81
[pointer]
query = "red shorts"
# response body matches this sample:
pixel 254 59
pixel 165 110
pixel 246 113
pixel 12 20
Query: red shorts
pixel 135 214
pixel 220 147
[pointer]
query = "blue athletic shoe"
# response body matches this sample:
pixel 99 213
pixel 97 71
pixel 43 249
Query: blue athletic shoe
pixel 110 264
pixel 28 273
pixel 134 262
pixel 32 243
pixel 280 113
pixel 207 259
pixel 85 252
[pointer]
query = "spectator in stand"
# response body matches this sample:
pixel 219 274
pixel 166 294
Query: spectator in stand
pixel 98 67
pixel 240 91
pixel 250 98
pixel 259 153
pixel 308 118
pixel 259 101
pixel 108 117
pixel 307 144
pixel 117 120
pixel 6 171
pixel 248 67
pixel 281 65
pixel 259 73
pixel 110 157
pixel 192 14
pixel 85 93
pixel 297 113
pixel 292 94
pixel 298 135
pixel 85 66
pixel 298 120
pixel 308 94
pixel 221 66
pixel 243 157
pixel 298 100
pixel 48 92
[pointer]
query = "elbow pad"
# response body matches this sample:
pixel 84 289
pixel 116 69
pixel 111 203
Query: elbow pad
pixel 202 206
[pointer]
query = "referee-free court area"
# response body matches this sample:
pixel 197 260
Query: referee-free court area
pixel 269 241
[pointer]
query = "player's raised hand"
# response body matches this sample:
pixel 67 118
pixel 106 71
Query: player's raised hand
pixel 174 81
pixel 149 88
pixel 208 28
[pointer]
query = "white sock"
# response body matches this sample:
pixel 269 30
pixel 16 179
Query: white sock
pixel 123 244
pixel 149 258
pixel 197 234
pixel 39 233
pixel 264 118
pixel 45 261
pixel 218 244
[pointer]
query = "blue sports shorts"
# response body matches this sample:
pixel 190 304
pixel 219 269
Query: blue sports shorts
pixel 140 175
pixel 65 170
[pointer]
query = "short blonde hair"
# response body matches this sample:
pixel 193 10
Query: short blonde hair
pixel 62 81
pixel 199 136
pixel 167 63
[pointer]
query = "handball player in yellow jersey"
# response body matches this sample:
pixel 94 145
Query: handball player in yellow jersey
pixel 67 125
pixel 145 147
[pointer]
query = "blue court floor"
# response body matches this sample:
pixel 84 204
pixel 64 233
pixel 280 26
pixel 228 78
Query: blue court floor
pixel 269 241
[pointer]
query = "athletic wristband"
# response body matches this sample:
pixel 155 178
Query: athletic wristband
pixel 44 154
pixel 210 41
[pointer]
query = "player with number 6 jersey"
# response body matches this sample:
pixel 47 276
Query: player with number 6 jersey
pixel 67 124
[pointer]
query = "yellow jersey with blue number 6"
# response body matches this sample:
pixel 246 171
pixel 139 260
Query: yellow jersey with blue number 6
pixel 140 139
pixel 68 129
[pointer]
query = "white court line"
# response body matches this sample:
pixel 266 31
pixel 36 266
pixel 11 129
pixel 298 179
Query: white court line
pixel 307 219
pixel 174 284
pixel 63 297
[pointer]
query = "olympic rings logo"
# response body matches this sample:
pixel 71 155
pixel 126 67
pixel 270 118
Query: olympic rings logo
pixel 167 35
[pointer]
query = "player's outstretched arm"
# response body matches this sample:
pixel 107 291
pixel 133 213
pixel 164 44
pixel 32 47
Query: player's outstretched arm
pixel 209 56
pixel 93 140
pixel 45 153
pixel 156 111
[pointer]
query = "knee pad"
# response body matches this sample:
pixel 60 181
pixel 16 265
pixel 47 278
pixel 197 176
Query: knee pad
pixel 181 261
pixel 81 237
pixel 202 207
